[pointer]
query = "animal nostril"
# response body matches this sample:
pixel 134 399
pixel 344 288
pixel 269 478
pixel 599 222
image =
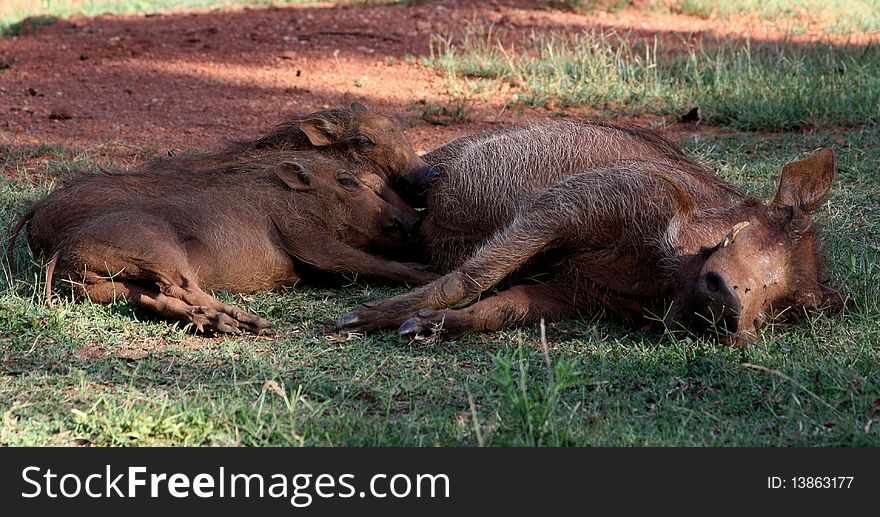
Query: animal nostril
pixel 714 282
pixel 395 225
pixel 429 173
pixel 405 229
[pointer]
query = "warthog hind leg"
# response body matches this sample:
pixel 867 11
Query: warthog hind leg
pixel 210 315
pixel 137 258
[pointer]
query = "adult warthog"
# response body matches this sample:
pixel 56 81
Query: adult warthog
pixel 616 219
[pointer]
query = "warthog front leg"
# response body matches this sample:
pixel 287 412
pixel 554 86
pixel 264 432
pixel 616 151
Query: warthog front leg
pixel 576 214
pixel 327 254
pixel 494 261
pixel 521 304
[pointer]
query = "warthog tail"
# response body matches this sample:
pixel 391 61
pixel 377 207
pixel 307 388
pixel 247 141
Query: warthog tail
pixel 10 246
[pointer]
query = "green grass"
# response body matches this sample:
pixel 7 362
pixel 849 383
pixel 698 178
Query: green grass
pixel 455 112
pixel 753 87
pixel 110 375
pixel 831 16
pixel 24 25
pixel 849 16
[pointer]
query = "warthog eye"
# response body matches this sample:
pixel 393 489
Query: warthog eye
pixel 348 181
pixel 780 214
pixel 362 142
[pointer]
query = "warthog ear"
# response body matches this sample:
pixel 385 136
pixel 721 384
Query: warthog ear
pixel 294 175
pixel 320 131
pixel 805 183
pixel 359 107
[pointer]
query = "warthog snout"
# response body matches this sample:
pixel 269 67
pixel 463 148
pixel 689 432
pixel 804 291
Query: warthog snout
pixel 400 218
pixel 716 302
pixel 414 182
pixel 427 173
pixel 405 224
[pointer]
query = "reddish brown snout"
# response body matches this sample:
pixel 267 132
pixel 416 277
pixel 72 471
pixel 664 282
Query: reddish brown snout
pixel 406 223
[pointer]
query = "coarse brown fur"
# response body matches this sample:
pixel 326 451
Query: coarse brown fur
pixel 617 219
pixel 484 179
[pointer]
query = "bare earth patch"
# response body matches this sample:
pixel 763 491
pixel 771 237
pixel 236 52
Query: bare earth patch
pixel 122 86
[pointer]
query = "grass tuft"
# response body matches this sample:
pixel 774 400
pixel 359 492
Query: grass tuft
pixel 849 16
pixel 752 87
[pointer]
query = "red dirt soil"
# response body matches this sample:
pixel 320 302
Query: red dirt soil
pixel 120 86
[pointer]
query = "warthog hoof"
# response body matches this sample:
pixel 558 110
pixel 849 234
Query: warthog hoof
pixel 445 323
pixel 411 328
pixel 349 319
pixel 362 319
pixel 207 319
pixel 376 315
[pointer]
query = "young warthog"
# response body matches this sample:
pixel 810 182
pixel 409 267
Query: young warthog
pixel 364 139
pixel 218 229
pixel 610 230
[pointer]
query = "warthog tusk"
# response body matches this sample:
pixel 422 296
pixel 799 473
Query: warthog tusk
pixel 731 235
